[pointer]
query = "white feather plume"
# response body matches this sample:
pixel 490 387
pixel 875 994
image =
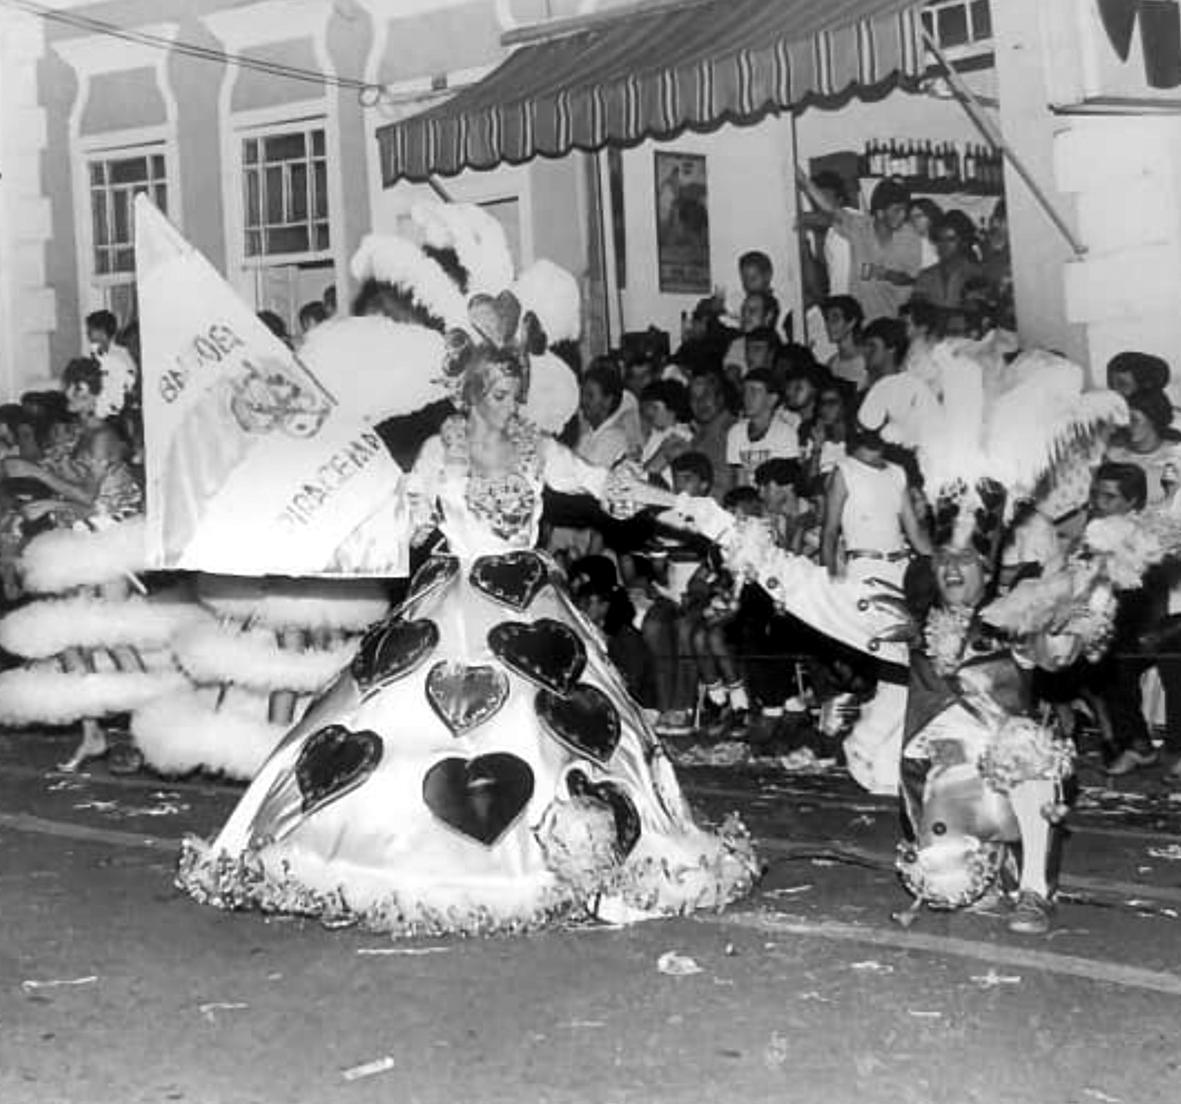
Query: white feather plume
pixel 65 558
pixel 185 732
pixel 553 393
pixel 219 653
pixel 349 605
pixel 552 293
pixel 399 261
pixel 44 695
pixel 380 368
pixel 48 627
pixel 477 237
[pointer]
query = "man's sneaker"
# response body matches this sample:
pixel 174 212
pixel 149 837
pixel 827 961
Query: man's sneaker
pixel 1131 759
pixel 1031 914
pixel 675 722
pixel 714 718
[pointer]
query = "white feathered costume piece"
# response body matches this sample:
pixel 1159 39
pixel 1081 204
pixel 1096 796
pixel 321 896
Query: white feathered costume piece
pixel 263 650
pixel 974 418
pixel 397 369
pixel 91 648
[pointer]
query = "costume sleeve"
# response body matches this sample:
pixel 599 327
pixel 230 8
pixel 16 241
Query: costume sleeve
pixel 423 482
pixel 855 612
pixel 567 473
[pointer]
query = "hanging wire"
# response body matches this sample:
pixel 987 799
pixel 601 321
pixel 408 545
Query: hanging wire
pixel 189 49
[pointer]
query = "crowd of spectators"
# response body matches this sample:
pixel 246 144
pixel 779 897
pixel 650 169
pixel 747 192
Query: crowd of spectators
pixel 769 426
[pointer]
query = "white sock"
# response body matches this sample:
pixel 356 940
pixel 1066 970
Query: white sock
pixel 738 698
pixel 716 693
pixel 774 711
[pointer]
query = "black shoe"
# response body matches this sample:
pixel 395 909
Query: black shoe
pixel 714 718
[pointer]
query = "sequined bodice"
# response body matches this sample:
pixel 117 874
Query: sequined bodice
pixel 506 504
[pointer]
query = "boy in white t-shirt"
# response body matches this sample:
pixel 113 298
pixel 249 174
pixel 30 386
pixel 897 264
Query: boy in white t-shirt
pixel 760 436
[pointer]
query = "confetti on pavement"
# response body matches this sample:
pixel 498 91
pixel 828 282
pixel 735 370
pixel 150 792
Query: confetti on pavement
pixel 368 1069
pixel 871 967
pixel 676 965
pixel 993 980
pixel 32 985
pixel 408 951
pixel 210 1010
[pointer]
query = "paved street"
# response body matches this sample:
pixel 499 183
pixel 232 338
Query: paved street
pixel 117 989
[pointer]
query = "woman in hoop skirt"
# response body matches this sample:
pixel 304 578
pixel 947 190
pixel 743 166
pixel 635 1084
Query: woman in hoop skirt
pixel 479 766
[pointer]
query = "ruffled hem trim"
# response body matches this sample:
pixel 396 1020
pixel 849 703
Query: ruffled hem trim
pixel 637 890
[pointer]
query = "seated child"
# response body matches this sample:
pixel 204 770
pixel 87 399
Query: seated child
pixel 596 590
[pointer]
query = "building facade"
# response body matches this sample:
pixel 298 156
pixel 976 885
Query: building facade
pixel 268 163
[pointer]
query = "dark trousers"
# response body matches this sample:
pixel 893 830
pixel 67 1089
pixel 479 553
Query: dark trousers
pixel 1120 690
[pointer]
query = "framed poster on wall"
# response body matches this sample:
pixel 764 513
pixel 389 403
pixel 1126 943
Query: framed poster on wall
pixel 682 223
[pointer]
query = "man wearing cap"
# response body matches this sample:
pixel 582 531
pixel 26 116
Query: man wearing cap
pixel 886 251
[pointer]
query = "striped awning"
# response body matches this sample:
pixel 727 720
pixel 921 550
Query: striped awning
pixel 655 74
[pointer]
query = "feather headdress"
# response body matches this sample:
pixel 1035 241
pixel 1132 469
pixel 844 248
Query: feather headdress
pixel 452 263
pixel 989 433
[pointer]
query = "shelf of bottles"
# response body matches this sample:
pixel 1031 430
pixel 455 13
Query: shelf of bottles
pixel 935 167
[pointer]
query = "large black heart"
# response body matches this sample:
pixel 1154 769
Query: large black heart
pixel 544 651
pixel 333 761
pixel 584 720
pixel 390 651
pixel 514 578
pixel 1119 21
pixel 464 696
pixel 437 572
pixel 627 818
pixel 479 797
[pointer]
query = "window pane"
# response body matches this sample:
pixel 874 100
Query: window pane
pixel 289 239
pixel 981 20
pixel 253 243
pixel 320 189
pixel 162 197
pixel 253 210
pixel 124 260
pixel 299 192
pixel 322 236
pixel 250 151
pixel 158 166
pixel 273 191
pixel 318 142
pixel 122 221
pixel 284 147
pixel 129 171
pixel 97 173
pixel 953 26
pixel 98 207
pixel 102 263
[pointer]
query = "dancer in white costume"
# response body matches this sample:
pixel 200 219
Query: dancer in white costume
pixel 93 646
pixel 479 766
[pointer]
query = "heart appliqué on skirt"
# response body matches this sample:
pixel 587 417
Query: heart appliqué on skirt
pixel 479 797
pixel 546 652
pixel 585 721
pixel 627 817
pixel 334 761
pixel 463 696
pixel 514 578
pixel 392 650
pixel 435 574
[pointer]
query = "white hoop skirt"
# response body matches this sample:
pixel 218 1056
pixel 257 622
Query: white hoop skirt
pixel 479 767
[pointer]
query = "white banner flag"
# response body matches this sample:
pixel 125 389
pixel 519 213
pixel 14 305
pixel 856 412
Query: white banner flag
pixel 253 467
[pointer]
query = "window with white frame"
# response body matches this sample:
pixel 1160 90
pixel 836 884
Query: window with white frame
pixel 285 193
pixel 116 178
pixel 959 25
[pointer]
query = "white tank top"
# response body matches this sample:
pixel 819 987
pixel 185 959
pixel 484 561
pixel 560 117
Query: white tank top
pixel 870 521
